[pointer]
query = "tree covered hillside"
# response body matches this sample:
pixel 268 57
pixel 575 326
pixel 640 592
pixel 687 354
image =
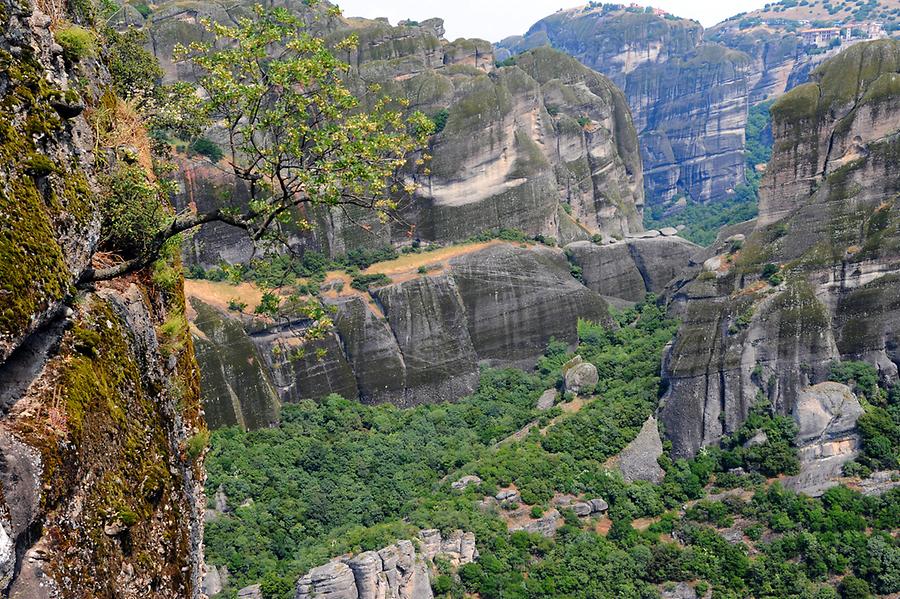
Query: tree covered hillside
pixel 338 477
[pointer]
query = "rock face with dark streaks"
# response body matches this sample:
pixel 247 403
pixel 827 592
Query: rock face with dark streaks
pixel 546 146
pixel 829 218
pixel 689 98
pixel 626 271
pixel 231 370
pixel 419 340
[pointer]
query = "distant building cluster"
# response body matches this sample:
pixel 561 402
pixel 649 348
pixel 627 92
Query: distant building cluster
pixel 821 37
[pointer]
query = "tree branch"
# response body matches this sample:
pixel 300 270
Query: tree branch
pixel 179 224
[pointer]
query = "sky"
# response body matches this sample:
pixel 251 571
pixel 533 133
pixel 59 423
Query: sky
pixel 494 20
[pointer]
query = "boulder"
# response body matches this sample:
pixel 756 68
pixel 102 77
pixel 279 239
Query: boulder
pixel 824 412
pixel 827 439
pixel 582 509
pixel 464 482
pixel 669 231
pixel 510 495
pixel 546 525
pixel 638 461
pixel 598 505
pixel 580 376
pixel 733 535
pixel 547 399
pixel 254 591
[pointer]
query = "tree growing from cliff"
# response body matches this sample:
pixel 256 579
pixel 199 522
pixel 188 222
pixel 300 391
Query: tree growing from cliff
pixel 293 132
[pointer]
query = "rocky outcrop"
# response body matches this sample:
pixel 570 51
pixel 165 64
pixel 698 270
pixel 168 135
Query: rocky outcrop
pixel 828 224
pixel 419 340
pixel 625 272
pixel 396 571
pixel 826 415
pixel 579 376
pixel 465 482
pixel 639 459
pixel 547 399
pixel 546 525
pixel 101 430
pixel 546 146
pixel 689 99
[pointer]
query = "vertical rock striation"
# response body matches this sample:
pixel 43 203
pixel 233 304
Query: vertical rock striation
pixel 689 98
pixel 830 221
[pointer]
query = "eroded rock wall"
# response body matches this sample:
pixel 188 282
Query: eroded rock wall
pixel 627 271
pixel 828 221
pixel 418 340
pixel 101 429
pixel 546 146
pixel 689 98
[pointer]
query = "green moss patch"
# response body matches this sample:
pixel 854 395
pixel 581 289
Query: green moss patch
pixel 33 273
pixel 801 103
pixel 109 447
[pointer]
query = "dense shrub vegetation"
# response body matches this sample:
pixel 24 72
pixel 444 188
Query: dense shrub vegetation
pixel 337 476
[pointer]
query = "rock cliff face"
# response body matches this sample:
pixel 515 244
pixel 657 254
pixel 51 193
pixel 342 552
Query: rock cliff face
pixel 526 140
pixel 422 338
pixel 689 99
pixel 546 146
pixel 396 571
pixel 829 222
pixel 627 271
pixel 100 464
pixel 415 341
pixel 776 61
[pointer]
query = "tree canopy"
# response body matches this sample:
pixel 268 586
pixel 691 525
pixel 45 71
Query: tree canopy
pixel 277 98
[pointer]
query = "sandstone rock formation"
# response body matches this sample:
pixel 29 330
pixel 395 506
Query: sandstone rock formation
pixel 546 146
pixel 99 402
pixel 826 415
pixel 625 272
pixel 419 340
pixel 829 218
pixel 580 376
pixel 638 461
pixel 689 99
pixel 397 571
pixel 547 399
